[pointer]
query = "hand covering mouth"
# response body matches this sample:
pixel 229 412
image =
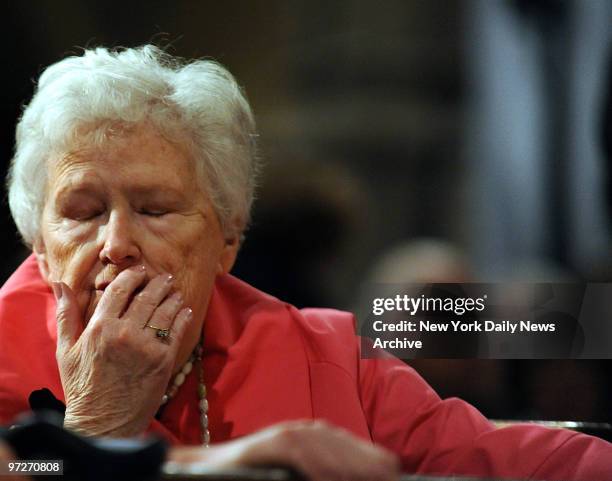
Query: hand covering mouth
pixel 109 274
pixel 103 280
pixel 106 276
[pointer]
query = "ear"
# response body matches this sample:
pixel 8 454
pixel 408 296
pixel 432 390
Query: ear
pixel 40 251
pixel 228 255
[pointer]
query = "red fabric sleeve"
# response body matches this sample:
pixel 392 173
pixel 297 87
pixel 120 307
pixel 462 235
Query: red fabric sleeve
pixel 450 436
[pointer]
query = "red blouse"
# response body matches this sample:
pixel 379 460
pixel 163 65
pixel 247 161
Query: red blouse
pixel 266 362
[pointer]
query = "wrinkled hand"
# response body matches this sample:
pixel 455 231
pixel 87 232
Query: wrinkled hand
pixel 314 448
pixel 113 371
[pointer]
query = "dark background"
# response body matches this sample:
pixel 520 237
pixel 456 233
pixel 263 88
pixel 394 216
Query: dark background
pixel 430 140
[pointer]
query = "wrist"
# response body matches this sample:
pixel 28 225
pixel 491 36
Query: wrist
pixel 93 426
pixel 74 424
pixel 83 425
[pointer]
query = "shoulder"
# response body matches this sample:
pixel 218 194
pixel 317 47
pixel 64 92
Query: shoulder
pixel 25 299
pixel 329 335
pixel 27 343
pixel 25 281
pixel 238 310
pixel 237 299
pixel 27 304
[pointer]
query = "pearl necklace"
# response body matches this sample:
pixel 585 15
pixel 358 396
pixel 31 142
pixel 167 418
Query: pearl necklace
pixel 179 379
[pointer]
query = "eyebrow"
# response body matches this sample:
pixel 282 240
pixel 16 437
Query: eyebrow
pixel 88 186
pixel 78 188
pixel 148 190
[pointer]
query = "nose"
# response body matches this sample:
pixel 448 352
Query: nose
pixel 120 246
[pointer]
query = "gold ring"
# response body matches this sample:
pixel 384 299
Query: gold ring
pixel 163 334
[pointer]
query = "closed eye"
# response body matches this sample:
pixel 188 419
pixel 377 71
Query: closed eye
pixel 84 215
pixel 153 212
pixel 89 216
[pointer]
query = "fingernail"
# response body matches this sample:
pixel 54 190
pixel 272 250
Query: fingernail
pixel 57 290
pixel 189 313
pixel 178 297
pixel 169 278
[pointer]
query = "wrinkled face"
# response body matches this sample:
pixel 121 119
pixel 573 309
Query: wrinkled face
pixel 136 201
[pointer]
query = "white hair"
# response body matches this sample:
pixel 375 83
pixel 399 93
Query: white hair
pixel 197 103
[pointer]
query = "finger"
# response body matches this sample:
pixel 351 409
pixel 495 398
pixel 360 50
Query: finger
pixel 385 465
pixel 181 323
pixel 165 313
pixel 69 325
pixel 319 464
pixel 362 460
pixel 144 304
pixel 322 452
pixel 116 296
pixel 369 462
pixel 323 455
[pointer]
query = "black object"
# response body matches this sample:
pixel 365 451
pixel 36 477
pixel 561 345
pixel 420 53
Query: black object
pixel 44 400
pixel 42 437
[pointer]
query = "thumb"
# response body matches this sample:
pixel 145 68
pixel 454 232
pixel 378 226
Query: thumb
pixel 69 326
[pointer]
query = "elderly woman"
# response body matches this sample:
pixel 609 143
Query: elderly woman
pixel 132 182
